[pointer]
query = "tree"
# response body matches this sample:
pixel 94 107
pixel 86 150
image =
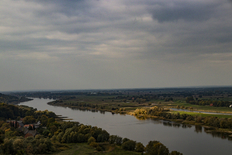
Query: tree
pixel 29 120
pixel 53 128
pixel 7 146
pixel 51 120
pixel 139 147
pixel 29 149
pixel 223 123
pixel 59 136
pixel 18 145
pixel 189 99
pixel 104 136
pixel 124 140
pixel 54 138
pixel 44 120
pixel 156 148
pixel 91 139
pixel 129 145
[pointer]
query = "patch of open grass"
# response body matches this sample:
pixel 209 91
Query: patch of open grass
pixel 203 108
pixel 80 148
pixel 85 149
pixel 202 115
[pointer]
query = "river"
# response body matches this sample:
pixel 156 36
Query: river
pixel 189 140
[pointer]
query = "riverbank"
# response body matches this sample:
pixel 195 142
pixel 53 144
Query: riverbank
pixel 220 125
pixel 173 135
pixel 131 112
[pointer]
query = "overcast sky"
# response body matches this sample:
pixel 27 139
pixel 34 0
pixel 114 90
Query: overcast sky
pixel 101 44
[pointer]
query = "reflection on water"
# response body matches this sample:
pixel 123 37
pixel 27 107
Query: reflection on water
pixel 141 117
pixel 198 128
pixel 214 133
pixel 176 125
pixel 188 139
pixel 102 112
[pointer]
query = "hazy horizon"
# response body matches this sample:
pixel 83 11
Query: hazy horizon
pixel 55 90
pixel 114 44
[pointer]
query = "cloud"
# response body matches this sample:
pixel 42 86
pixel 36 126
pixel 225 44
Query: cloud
pixel 187 11
pixel 125 40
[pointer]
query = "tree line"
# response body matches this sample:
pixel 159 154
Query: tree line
pixel 215 103
pixel 225 123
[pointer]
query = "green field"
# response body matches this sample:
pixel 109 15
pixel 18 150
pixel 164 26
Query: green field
pixel 202 115
pixel 174 104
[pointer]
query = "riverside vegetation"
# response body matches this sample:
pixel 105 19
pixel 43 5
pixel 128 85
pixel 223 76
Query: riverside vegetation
pixel 142 103
pixel 157 106
pixel 55 136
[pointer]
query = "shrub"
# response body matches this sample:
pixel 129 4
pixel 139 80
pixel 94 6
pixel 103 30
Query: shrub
pixel 99 148
pixel 93 144
pixel 91 139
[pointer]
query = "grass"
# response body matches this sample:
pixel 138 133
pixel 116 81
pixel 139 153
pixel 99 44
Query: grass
pixel 202 115
pixel 84 149
pixel 81 148
pixel 198 107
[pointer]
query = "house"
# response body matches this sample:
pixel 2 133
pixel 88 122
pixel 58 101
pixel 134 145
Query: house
pixel 16 124
pixel 28 126
pixel 37 125
pixel 20 123
pixel 27 132
pixel 31 133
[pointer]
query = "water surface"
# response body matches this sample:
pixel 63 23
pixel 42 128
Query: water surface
pixel 187 139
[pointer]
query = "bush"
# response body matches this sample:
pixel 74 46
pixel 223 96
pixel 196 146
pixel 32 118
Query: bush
pixel 93 144
pixel 99 148
pixel 91 139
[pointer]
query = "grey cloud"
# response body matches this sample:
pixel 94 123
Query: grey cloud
pixel 92 43
pixel 188 11
pixel 54 8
